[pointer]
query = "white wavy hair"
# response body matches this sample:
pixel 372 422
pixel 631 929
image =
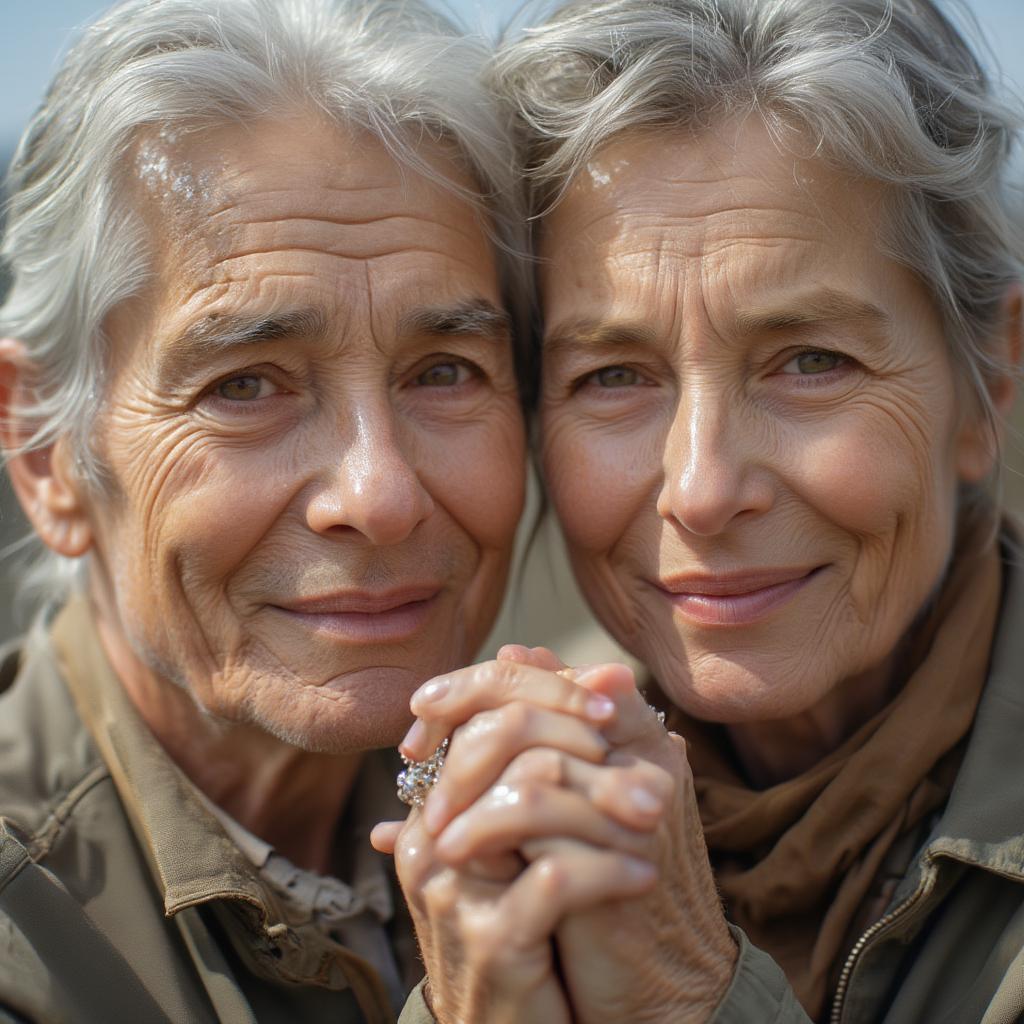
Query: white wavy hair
pixel 74 247
pixel 888 90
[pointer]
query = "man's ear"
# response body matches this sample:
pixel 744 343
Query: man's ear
pixel 45 479
pixel 977 448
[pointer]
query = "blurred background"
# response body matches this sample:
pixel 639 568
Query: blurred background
pixel 543 605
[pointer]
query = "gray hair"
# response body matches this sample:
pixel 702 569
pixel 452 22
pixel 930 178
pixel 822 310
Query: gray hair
pixel 75 248
pixel 886 89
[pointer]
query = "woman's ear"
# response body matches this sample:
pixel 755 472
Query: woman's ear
pixel 44 479
pixel 977 448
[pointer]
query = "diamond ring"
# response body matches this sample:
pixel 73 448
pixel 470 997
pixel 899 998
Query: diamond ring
pixel 417 779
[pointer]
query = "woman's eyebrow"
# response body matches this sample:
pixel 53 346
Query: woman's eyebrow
pixel 590 331
pixel 822 306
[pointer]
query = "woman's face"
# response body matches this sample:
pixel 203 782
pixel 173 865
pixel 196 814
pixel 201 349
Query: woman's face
pixel 752 432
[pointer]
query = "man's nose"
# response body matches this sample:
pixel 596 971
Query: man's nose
pixel 714 469
pixel 372 487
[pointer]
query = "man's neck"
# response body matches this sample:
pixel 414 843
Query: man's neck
pixel 288 797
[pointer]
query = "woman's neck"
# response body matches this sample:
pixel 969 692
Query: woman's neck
pixel 776 751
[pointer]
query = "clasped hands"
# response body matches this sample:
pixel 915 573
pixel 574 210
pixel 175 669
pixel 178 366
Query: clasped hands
pixel 557 872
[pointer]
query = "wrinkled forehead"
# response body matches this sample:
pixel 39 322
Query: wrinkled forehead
pixel 192 187
pixel 696 184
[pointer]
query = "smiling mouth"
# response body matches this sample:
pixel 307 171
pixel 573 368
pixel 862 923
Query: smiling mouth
pixel 736 599
pixel 361 617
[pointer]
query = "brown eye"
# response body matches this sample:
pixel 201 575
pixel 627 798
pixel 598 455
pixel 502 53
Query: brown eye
pixel 241 389
pixel 443 375
pixel 616 377
pixel 815 362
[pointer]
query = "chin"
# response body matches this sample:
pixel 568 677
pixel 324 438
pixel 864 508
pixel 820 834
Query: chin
pixel 730 693
pixel 339 718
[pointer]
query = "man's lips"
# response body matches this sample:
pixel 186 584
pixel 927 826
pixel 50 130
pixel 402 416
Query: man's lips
pixel 736 598
pixel 364 616
pixel 360 602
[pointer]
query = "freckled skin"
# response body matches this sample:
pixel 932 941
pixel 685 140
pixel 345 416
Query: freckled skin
pixel 344 471
pixel 720 454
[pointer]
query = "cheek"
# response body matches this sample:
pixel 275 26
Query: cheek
pixel 875 472
pixel 192 512
pixel 478 474
pixel 598 476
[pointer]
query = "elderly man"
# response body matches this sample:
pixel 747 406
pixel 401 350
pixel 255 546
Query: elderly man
pixel 261 407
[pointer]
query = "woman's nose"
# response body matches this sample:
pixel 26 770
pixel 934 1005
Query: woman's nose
pixel 712 472
pixel 372 488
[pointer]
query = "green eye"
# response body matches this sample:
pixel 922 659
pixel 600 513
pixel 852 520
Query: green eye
pixel 241 389
pixel 443 375
pixel 616 377
pixel 816 362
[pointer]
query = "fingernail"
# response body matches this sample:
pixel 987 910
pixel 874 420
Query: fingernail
pixel 644 800
pixel 640 871
pixel 582 672
pixel 414 737
pixel 599 707
pixel 435 813
pixel 434 690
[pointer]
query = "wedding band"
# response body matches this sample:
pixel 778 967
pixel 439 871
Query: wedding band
pixel 417 779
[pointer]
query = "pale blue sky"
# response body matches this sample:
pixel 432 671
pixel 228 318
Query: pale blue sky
pixel 35 33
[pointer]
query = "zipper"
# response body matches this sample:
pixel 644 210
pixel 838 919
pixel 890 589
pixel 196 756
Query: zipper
pixel 883 922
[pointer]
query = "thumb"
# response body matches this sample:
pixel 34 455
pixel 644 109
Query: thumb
pixel 384 836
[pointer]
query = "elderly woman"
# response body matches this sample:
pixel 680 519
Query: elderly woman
pixel 780 285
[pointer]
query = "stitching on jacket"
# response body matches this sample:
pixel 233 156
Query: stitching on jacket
pixel 42 842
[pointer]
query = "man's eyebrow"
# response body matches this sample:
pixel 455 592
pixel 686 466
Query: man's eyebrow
pixel 476 316
pixel 820 307
pixel 589 331
pixel 215 333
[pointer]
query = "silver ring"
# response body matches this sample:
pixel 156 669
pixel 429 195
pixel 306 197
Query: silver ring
pixel 418 778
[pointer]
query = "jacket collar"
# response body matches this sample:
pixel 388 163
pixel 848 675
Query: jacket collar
pixel 188 849
pixel 190 856
pixel 983 823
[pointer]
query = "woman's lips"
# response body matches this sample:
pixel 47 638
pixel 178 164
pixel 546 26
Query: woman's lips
pixel 360 617
pixel 735 599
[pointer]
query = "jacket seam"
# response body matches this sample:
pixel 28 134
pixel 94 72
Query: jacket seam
pixel 43 840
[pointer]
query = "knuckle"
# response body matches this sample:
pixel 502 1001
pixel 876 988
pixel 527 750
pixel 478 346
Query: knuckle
pixel 484 940
pixel 440 894
pixel 552 877
pixel 495 678
pixel 540 763
pixel 530 794
pixel 515 720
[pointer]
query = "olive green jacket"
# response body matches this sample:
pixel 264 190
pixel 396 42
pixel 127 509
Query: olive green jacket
pixel 121 896
pixel 950 948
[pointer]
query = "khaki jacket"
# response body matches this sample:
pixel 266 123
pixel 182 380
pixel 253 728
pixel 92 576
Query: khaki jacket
pixel 950 948
pixel 121 897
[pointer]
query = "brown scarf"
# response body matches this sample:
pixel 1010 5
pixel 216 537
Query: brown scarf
pixel 796 863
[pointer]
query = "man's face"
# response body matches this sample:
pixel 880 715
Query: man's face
pixel 312 433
